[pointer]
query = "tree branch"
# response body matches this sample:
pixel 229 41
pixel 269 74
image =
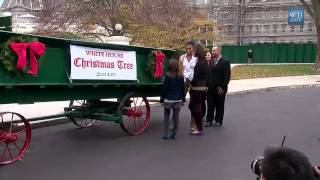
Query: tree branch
pixel 308 8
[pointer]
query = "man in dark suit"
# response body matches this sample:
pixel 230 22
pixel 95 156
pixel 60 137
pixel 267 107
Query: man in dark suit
pixel 219 77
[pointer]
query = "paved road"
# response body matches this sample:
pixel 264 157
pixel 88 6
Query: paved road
pixel 104 152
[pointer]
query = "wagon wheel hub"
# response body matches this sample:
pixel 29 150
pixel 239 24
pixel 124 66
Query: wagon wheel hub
pixel 134 113
pixel 9 137
pixel 138 113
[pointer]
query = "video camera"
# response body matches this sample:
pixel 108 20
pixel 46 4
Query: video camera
pixel 256 166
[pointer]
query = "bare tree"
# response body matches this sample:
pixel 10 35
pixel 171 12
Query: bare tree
pixel 313 8
pixel 161 23
pixel 89 18
pixel 168 23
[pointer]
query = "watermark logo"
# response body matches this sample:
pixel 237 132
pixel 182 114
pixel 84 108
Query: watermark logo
pixel 295 16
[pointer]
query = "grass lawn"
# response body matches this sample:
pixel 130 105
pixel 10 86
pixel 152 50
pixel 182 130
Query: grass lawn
pixel 262 71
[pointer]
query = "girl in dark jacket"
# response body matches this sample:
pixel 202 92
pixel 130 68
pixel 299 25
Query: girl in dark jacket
pixel 198 89
pixel 172 98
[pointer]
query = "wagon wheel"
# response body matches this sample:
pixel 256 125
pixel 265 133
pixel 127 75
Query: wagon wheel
pixel 15 137
pixel 135 111
pixel 78 105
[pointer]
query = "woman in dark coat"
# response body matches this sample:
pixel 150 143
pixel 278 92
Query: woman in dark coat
pixel 198 88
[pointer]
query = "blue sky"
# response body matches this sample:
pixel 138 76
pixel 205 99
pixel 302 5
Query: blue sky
pixel 1 2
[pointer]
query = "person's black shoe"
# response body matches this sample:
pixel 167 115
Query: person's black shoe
pixel 173 135
pixel 165 138
pixel 217 124
pixel 208 124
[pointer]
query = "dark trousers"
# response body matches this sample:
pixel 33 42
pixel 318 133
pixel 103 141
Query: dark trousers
pixel 215 107
pixel 203 104
pixel 196 108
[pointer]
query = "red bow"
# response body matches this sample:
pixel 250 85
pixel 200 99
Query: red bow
pixel 35 48
pixel 159 56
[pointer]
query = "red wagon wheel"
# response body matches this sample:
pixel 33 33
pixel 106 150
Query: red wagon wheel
pixel 80 105
pixel 135 111
pixel 15 137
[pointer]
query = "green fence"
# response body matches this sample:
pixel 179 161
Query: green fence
pixel 271 53
pixel 6 23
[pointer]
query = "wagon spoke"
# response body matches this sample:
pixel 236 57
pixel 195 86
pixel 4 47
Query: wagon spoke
pixel 19 132
pixel 11 156
pixel 130 119
pixel 135 124
pixel 4 153
pixel 79 102
pixel 15 144
pixel 141 103
pixel 134 102
pixel 139 122
pixel 11 122
pixel 17 124
pixel 81 123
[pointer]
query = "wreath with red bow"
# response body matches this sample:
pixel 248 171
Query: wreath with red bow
pixel 14 52
pixel 155 63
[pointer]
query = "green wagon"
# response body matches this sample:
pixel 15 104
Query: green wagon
pixel 102 82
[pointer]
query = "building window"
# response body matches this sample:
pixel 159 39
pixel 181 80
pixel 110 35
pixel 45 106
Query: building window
pixel 230 29
pixel 250 28
pixel 242 29
pixel 292 29
pixel 301 28
pixel 275 28
pixel 257 28
pixel 283 28
pixel 310 28
pixel 267 28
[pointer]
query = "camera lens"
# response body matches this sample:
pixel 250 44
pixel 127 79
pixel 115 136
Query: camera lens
pixel 256 165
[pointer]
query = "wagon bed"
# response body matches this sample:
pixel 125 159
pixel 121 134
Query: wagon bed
pixel 99 97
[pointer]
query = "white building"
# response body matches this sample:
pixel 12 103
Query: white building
pixel 259 21
pixel 24 14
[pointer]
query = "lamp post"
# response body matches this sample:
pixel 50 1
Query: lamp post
pixel 117 31
pixel 117 36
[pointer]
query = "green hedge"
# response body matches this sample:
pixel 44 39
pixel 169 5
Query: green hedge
pixel 6 23
pixel 271 53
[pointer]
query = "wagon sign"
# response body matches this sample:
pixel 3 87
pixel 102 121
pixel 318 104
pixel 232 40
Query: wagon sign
pixel 102 64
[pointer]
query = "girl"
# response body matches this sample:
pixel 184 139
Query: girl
pixel 172 98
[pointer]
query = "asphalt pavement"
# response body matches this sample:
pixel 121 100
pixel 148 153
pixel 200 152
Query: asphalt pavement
pixel 252 122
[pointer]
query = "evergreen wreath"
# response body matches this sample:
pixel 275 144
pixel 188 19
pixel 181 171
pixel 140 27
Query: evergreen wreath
pixel 8 58
pixel 151 64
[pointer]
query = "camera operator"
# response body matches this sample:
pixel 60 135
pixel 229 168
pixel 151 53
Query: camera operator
pixel 281 163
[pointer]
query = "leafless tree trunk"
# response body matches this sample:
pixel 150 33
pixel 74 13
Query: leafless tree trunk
pixel 313 9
